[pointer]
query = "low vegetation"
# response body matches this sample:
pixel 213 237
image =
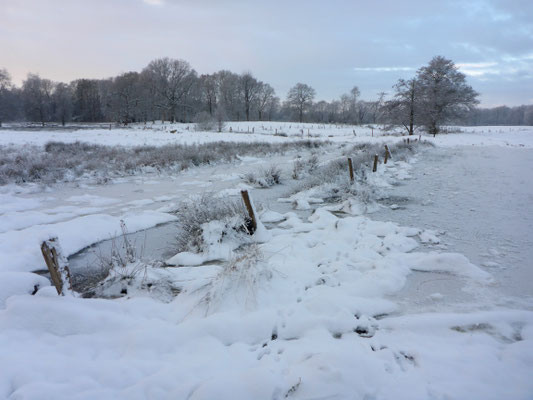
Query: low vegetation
pixel 58 161
pixel 332 177
pixel 264 179
pixel 195 213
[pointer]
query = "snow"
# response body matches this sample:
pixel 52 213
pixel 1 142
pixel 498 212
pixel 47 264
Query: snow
pixel 311 308
pixel 20 249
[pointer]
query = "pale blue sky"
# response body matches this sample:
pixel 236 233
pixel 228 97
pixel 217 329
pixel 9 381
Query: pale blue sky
pixel 330 45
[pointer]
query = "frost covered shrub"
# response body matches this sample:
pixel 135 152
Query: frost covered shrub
pixel 69 161
pixel 121 264
pixel 123 272
pixel 203 121
pixel 272 175
pixel 301 166
pixel 267 177
pixel 195 213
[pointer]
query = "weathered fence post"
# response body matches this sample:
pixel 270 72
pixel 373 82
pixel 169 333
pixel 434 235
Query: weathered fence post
pixel 350 167
pixel 375 167
pixel 57 265
pixel 387 154
pixel 250 209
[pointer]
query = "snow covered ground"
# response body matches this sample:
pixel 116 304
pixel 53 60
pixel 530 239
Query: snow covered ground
pixel 429 296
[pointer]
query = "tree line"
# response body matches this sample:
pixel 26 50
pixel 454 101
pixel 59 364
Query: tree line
pixel 171 90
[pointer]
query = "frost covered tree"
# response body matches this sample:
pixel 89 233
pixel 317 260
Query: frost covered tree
pixel 209 92
pixel 265 97
pixel 444 94
pixel 300 98
pixel 5 88
pixel 62 103
pixel 125 101
pixel 37 98
pixel 228 84
pixel 353 97
pixel 250 88
pixel 403 108
pixel 87 105
pixel 171 80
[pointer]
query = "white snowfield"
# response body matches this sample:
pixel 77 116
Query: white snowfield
pixel 159 134
pixel 311 313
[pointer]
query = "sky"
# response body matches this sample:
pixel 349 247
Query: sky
pixel 330 45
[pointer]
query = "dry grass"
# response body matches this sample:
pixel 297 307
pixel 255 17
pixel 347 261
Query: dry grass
pixel 62 162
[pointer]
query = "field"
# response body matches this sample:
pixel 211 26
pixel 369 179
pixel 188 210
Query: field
pixel 411 282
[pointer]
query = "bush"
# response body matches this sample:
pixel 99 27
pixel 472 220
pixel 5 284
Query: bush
pixel 195 213
pixel 268 177
pixel 204 121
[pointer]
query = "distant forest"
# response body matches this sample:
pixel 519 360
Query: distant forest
pixel 171 90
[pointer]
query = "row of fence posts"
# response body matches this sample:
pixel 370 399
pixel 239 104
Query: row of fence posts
pixel 374 165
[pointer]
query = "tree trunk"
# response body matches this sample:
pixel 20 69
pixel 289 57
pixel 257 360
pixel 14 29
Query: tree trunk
pixel 411 120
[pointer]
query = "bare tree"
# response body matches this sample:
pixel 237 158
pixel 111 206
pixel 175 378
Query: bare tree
pixel 403 109
pixel 250 89
pixel 272 108
pixel 126 97
pixel 37 97
pixel 376 107
pixel 5 88
pixel 220 117
pixel 209 92
pixel 62 103
pixel 445 95
pixel 265 96
pixel 345 108
pixel 300 98
pixel 228 85
pixel 87 100
pixel 353 97
pixel 172 81
pixel 361 110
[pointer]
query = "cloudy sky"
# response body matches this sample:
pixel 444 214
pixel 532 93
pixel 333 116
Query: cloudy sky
pixel 331 45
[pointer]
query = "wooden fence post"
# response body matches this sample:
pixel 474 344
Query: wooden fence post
pixel 387 154
pixel 250 209
pixel 350 167
pixel 375 167
pixel 57 265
